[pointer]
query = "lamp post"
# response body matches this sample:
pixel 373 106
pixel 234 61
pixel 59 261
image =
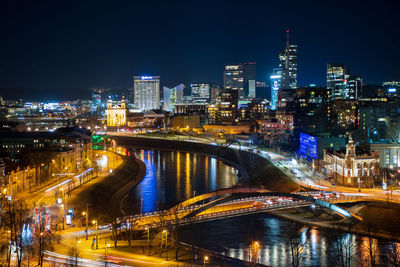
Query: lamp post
pixel 63 214
pixel 148 240
pixel 166 243
pixel 205 260
pixel 106 246
pixel 97 234
pixel 85 213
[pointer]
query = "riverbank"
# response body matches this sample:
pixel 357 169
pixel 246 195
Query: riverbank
pixel 382 224
pixel 104 195
pixel 254 170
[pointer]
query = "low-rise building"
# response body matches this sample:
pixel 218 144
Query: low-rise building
pixel 389 153
pixel 187 122
pixel 239 128
pixel 352 166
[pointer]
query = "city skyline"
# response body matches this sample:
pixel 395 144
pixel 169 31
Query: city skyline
pixel 87 52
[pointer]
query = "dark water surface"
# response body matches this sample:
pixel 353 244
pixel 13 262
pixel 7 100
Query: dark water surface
pixel 173 177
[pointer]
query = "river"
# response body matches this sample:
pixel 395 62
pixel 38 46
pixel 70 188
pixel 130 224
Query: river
pixel 172 177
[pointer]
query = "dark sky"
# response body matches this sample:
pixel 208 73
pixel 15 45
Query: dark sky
pixel 51 49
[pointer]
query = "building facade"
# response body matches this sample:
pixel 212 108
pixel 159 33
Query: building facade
pixel 234 79
pixel 116 114
pixel 249 79
pixel 288 65
pixel 146 92
pixel 352 166
pixel 200 92
pixel 173 96
pixel 276 78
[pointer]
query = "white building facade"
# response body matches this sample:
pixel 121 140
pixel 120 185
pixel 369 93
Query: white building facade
pixel 147 92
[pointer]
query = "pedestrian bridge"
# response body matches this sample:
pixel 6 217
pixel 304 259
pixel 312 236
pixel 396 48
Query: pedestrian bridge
pixel 238 202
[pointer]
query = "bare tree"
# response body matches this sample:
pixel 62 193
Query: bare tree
pixel 162 219
pixel 29 254
pixel 297 243
pixel 345 250
pixel 176 217
pixel 392 256
pixel 44 238
pixel 73 254
pixel 371 246
pixel 15 216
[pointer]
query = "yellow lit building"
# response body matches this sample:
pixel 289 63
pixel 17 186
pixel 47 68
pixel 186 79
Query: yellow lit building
pixel 116 114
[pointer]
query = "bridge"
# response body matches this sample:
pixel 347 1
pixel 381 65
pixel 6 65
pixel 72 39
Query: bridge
pixel 233 202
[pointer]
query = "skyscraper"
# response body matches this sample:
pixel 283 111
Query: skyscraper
pixel 340 84
pixel 336 77
pixel 249 79
pixel 200 92
pixel 288 65
pixel 173 96
pixel 147 92
pixel 275 86
pixel 215 91
pixel 354 84
pixel 233 79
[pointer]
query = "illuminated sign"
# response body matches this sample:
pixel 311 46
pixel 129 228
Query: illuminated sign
pixel 392 90
pixel 276 87
pixel 275 84
pixel 147 77
pixel 68 219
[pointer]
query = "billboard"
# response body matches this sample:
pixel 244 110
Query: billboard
pixel 308 146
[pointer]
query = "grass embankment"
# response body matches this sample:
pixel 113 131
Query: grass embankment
pixel 255 170
pixel 380 217
pixel 101 196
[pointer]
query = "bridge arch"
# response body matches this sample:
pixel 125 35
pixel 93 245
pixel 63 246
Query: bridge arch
pixel 226 195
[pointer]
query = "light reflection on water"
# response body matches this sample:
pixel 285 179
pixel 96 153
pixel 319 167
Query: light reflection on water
pixel 172 177
pixel 233 237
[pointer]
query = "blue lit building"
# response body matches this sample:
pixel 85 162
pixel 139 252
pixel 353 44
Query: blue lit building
pixel 312 147
pixel 275 86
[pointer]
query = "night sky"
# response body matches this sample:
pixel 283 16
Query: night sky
pixel 58 49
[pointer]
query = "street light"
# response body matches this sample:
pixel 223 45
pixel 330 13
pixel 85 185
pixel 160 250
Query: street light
pixel 205 260
pixel 97 234
pixel 63 214
pixel 166 243
pixel 148 240
pixel 106 253
pixel 86 220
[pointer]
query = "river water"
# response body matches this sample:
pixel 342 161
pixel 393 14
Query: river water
pixel 172 177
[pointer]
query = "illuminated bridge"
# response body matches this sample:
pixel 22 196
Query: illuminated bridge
pixel 233 202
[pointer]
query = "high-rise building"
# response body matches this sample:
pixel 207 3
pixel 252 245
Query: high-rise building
pixel 336 77
pixel 147 92
pixel 288 65
pixel 215 91
pixel 96 98
pixel 233 79
pixel 353 87
pixel 200 92
pixel 229 105
pixel 172 96
pixel 276 78
pixel 340 84
pixel 249 79
pixel 393 83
